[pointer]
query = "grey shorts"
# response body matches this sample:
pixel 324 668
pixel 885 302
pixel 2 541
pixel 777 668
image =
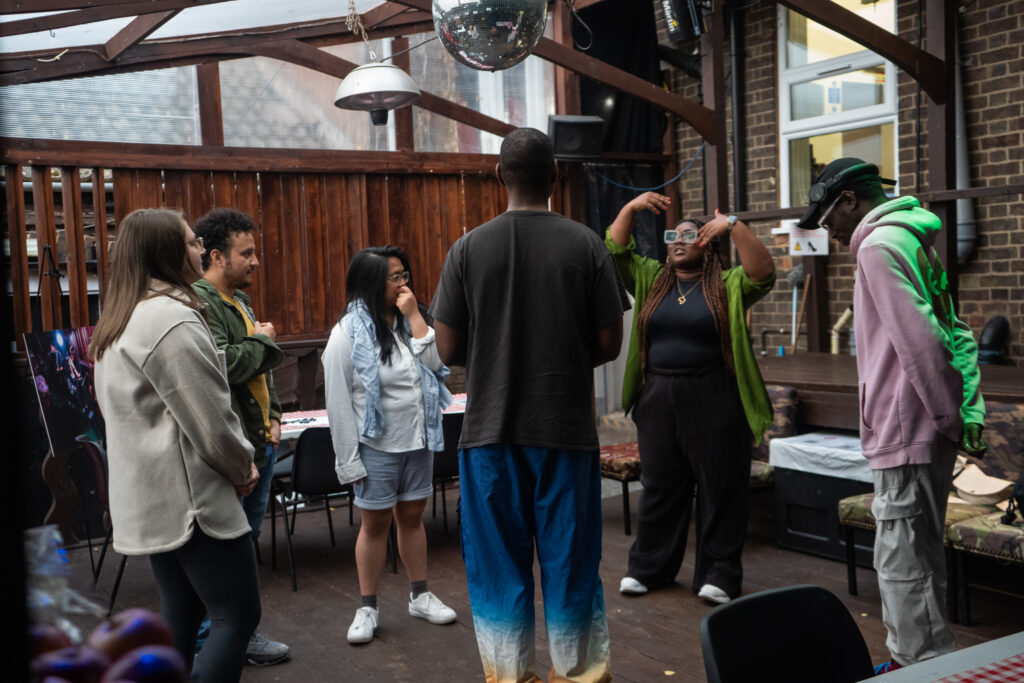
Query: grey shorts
pixel 393 477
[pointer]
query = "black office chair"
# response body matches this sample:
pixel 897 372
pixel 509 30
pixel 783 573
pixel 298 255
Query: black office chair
pixel 89 460
pixel 446 462
pixel 797 634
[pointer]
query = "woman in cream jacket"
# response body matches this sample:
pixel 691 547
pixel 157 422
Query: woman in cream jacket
pixel 178 459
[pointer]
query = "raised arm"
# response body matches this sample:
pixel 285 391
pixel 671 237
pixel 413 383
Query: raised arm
pixel 622 227
pixel 757 261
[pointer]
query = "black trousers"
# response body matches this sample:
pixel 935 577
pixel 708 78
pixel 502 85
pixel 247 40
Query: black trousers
pixel 694 439
pixel 215 577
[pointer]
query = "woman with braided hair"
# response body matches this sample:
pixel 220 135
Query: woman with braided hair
pixel 696 395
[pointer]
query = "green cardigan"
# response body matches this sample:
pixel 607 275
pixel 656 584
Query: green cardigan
pixel 638 274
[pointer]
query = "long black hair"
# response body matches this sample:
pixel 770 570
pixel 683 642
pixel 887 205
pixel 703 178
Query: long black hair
pixel 366 281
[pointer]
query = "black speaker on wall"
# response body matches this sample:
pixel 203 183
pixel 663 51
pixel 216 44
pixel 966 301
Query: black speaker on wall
pixel 576 138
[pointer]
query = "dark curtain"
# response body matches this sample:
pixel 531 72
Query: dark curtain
pixel 625 36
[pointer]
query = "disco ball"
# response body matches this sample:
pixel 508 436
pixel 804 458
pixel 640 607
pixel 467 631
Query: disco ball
pixel 490 34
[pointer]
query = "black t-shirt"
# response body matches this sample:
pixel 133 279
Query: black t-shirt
pixel 683 336
pixel 527 291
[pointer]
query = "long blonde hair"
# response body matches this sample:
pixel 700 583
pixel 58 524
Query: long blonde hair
pixel 150 246
pixel 714 293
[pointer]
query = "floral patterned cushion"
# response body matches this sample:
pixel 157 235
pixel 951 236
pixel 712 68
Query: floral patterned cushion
pixel 856 511
pixel 784 407
pixel 621 461
pixel 987 535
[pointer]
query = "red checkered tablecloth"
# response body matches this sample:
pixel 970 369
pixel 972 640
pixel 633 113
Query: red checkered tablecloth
pixel 1009 670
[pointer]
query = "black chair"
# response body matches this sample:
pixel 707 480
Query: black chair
pixel 446 462
pixel 307 476
pixel 797 634
pixel 89 459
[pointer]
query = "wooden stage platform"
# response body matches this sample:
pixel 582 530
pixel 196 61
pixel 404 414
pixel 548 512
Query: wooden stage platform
pixel 654 638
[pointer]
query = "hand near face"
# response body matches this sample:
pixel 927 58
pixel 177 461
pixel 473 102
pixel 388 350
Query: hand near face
pixel 650 201
pixel 406 302
pixel 972 441
pixel 719 225
pixel 245 489
pixel 275 432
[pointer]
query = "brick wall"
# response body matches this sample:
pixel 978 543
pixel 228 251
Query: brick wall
pixel 992 281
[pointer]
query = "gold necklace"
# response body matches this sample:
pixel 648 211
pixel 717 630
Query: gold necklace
pixel 682 296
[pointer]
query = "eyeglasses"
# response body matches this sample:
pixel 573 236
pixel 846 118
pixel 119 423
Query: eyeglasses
pixel 687 236
pixel 197 242
pixel 399 278
pixel 821 221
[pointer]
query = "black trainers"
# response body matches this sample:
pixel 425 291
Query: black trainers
pixel 263 651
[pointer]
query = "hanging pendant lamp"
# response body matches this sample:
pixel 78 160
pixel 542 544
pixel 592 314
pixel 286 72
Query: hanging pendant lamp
pixel 376 88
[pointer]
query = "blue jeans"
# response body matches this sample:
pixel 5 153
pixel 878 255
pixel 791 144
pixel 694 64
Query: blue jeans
pixel 255 506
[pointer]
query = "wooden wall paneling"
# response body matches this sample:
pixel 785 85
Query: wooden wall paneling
pixel 46 234
pixel 472 201
pixel 150 189
pixel 175 192
pixel 335 253
pixel 198 196
pixel 313 293
pixel 418 226
pixel 124 193
pixel 16 235
pixel 272 280
pixel 223 183
pixel 377 211
pixel 74 246
pixel 438 212
pixel 294 282
pixel 399 228
pixel 99 208
pixel 247 201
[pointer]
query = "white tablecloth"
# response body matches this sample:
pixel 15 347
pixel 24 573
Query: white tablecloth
pixel 826 453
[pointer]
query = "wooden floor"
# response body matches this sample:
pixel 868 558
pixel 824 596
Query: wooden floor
pixel 655 637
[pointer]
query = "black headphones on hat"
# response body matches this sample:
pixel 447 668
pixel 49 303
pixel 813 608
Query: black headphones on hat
pixel 820 190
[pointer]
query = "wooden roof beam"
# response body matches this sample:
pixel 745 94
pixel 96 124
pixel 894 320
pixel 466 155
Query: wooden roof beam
pixel 92 14
pixel 18 6
pixel 135 32
pixel 922 66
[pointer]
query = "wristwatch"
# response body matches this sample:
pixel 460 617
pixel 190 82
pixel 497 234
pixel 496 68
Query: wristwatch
pixel 731 222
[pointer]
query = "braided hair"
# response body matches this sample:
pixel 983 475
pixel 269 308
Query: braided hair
pixel 714 294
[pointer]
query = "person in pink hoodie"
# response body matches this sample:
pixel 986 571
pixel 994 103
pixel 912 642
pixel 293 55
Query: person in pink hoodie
pixel 919 399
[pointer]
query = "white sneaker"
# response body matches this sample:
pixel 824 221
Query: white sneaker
pixel 428 606
pixel 363 626
pixel 630 586
pixel 713 594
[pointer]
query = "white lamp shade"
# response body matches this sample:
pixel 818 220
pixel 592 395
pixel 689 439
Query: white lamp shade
pixel 376 86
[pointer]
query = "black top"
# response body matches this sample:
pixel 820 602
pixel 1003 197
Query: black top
pixel 683 336
pixel 528 290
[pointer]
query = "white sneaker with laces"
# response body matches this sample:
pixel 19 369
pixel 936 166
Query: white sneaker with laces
pixel 364 625
pixel 630 586
pixel 428 606
pixel 713 594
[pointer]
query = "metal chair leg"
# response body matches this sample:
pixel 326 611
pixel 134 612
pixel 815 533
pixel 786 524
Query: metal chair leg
pixel 103 555
pixel 963 588
pixel 951 587
pixel 444 505
pixel 288 542
pixel 851 560
pixel 330 524
pixel 626 521
pixel 117 585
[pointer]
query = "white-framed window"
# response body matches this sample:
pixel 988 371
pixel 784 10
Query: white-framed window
pixel 836 99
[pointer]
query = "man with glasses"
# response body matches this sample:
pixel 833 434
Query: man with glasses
pixel 229 263
pixel 918 371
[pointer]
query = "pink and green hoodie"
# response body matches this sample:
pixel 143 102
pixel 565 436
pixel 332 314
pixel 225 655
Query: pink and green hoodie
pixel 917 362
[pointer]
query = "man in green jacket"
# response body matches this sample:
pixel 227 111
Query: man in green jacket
pixel 248 344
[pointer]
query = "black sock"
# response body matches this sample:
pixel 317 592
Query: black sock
pixel 418 588
pixel 370 601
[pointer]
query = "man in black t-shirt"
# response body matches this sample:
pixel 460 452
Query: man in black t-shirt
pixel 531 302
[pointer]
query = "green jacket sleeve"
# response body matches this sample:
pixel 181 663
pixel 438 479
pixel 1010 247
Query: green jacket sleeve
pixel 249 356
